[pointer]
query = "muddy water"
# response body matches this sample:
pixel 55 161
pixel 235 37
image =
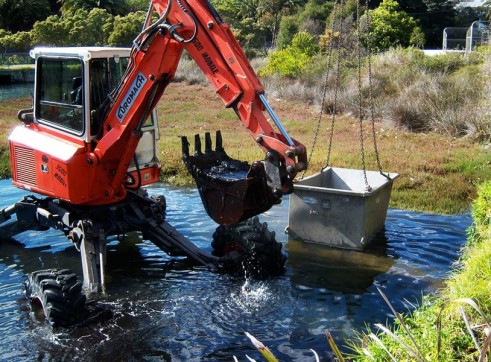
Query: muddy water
pixel 163 310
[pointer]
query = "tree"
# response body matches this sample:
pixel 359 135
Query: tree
pixel 51 32
pixel 391 27
pixel 114 7
pixel 288 29
pixel 126 28
pixel 15 43
pixel 137 5
pixel 80 28
pixel 20 15
pixel 275 9
pixel 260 19
pixel 89 28
pixel 433 16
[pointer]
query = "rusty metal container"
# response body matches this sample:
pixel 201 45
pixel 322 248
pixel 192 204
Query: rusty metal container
pixel 334 207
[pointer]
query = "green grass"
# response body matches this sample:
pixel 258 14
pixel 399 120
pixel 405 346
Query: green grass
pixel 438 173
pixel 17 67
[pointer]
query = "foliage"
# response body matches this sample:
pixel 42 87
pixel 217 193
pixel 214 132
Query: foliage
pixel 311 19
pixel 114 7
pixel 256 22
pixel 18 42
pixel 291 61
pixel 89 28
pixel 317 10
pixel 80 28
pixel 19 15
pixel 137 5
pixel 435 15
pixel 126 28
pixel 410 90
pixel 52 32
pixel 288 29
pixel 389 27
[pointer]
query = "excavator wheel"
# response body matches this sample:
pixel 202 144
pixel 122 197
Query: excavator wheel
pixel 59 293
pixel 249 248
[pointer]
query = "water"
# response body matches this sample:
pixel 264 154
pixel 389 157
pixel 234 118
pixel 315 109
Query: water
pixel 167 311
pixel 13 91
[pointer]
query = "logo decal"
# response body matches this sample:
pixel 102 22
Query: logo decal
pixel 130 96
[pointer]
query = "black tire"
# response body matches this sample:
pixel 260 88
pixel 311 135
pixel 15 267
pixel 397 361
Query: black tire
pixel 249 248
pixel 59 293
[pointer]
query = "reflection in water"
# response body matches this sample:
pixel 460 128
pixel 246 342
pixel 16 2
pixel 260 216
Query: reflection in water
pixel 347 271
pixel 165 310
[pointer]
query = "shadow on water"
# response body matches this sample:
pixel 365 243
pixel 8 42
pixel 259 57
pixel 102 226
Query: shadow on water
pixel 164 310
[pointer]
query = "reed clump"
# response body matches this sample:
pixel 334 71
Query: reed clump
pixel 446 93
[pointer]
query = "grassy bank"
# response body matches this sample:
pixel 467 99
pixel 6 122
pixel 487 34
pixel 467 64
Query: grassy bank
pixel 439 173
pixel 453 326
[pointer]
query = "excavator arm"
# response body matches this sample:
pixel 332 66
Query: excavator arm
pixel 195 26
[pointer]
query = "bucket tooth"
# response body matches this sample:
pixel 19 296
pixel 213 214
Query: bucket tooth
pixel 218 143
pixel 185 146
pixel 197 145
pixel 208 143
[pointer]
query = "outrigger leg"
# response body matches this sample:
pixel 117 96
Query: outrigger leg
pixel 88 229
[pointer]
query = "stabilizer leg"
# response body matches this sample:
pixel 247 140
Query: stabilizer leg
pixel 93 253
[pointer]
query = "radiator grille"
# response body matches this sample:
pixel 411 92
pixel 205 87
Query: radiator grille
pixel 25 165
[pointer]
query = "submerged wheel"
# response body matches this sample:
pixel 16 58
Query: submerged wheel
pixel 249 248
pixel 60 294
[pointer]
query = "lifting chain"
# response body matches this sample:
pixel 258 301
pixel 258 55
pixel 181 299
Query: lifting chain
pixel 338 23
pixel 360 104
pixel 336 19
pixel 336 86
pixel 370 97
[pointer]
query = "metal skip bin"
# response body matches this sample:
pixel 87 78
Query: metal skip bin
pixel 334 207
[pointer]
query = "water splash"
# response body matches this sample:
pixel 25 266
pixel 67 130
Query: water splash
pixel 253 296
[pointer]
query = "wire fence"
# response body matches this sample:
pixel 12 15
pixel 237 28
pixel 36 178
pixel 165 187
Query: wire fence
pixel 466 39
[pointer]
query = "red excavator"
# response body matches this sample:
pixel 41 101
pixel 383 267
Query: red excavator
pixel 88 145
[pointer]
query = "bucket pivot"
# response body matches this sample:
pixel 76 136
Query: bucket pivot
pixel 231 190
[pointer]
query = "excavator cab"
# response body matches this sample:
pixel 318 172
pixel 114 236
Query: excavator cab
pixel 65 123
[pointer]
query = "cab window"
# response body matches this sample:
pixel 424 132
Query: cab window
pixel 105 75
pixel 60 95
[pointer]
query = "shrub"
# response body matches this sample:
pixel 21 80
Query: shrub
pixel 391 27
pixel 288 29
pixel 293 60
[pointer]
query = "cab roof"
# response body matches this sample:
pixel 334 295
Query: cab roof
pixel 82 52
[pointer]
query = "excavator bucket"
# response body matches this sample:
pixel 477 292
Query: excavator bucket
pixel 231 190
